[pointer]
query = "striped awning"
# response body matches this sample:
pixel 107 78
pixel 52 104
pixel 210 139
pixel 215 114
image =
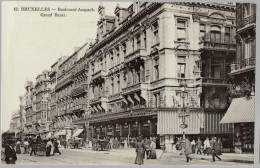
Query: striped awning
pixel 79 131
pixel 169 122
pixel 212 125
pixel 240 110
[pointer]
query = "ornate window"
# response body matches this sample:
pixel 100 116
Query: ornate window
pixel 181 30
pixel 215 34
pixel 181 66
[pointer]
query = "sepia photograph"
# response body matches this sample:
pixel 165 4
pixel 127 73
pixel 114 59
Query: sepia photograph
pixel 128 83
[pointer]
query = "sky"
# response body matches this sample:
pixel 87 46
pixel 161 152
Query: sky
pixel 31 43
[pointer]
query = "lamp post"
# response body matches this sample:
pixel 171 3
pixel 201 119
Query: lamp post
pixel 183 112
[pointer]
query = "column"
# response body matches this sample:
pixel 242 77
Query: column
pixel 139 128
pixel 106 130
pixel 121 130
pixel 130 129
pixel 113 130
pixel 151 128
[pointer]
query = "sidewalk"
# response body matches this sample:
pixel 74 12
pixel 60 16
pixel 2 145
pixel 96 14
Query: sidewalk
pixel 225 157
pixel 168 155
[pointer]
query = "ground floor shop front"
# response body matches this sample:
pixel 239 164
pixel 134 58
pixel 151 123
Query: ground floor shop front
pixel 163 124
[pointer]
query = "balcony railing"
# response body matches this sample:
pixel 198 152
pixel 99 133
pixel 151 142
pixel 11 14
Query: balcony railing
pixel 98 99
pixel 79 90
pixel 63 83
pixel 100 73
pixel 115 96
pixel 243 64
pixel 246 21
pixel 135 54
pixel 135 88
pixel 217 46
pixel 214 81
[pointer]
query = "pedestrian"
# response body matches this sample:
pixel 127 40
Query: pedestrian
pixel 26 144
pixel 214 149
pixel 147 148
pixel 10 154
pixel 48 148
pixel 139 149
pixel 193 146
pixel 56 147
pixel 187 149
pixel 153 149
pixel 219 150
pixel 198 146
pixel 111 142
pixel 18 147
pixel 206 146
pixel 33 147
pixel 125 142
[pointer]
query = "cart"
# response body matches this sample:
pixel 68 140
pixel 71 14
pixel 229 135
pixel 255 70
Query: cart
pixel 40 148
pixel 103 145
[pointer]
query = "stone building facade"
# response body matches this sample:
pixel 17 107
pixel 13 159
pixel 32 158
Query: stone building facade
pixel 142 57
pixel 149 62
pixel 242 76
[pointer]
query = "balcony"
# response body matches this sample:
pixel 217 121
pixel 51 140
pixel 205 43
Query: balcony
pixel 246 22
pixel 78 107
pixel 98 99
pixel 135 88
pixel 244 65
pixel 79 90
pixel 140 53
pixel 80 70
pixel 171 82
pixel 63 83
pixel 99 74
pixel 115 97
pixel 207 45
pixel 214 81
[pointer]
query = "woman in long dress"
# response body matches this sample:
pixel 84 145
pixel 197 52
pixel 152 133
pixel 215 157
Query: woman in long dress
pixel 153 149
pixel 48 148
pixel 18 147
pixel 139 152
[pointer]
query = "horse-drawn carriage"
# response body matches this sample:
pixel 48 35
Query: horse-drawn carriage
pixel 40 147
pixel 101 145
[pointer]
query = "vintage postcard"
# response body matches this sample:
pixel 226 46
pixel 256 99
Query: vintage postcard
pixel 128 83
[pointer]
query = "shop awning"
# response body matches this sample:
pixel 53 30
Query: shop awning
pixel 169 122
pixel 48 135
pixel 79 131
pixel 240 110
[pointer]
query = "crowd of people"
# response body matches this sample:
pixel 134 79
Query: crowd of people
pixel 144 147
pixel 212 146
pixel 29 145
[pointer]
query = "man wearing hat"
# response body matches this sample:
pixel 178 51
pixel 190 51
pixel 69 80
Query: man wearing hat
pixel 10 154
pixel 214 148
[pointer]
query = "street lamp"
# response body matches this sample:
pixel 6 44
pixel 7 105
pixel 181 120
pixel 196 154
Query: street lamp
pixel 183 112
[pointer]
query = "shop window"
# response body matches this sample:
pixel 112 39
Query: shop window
pixel 181 30
pixel 181 66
